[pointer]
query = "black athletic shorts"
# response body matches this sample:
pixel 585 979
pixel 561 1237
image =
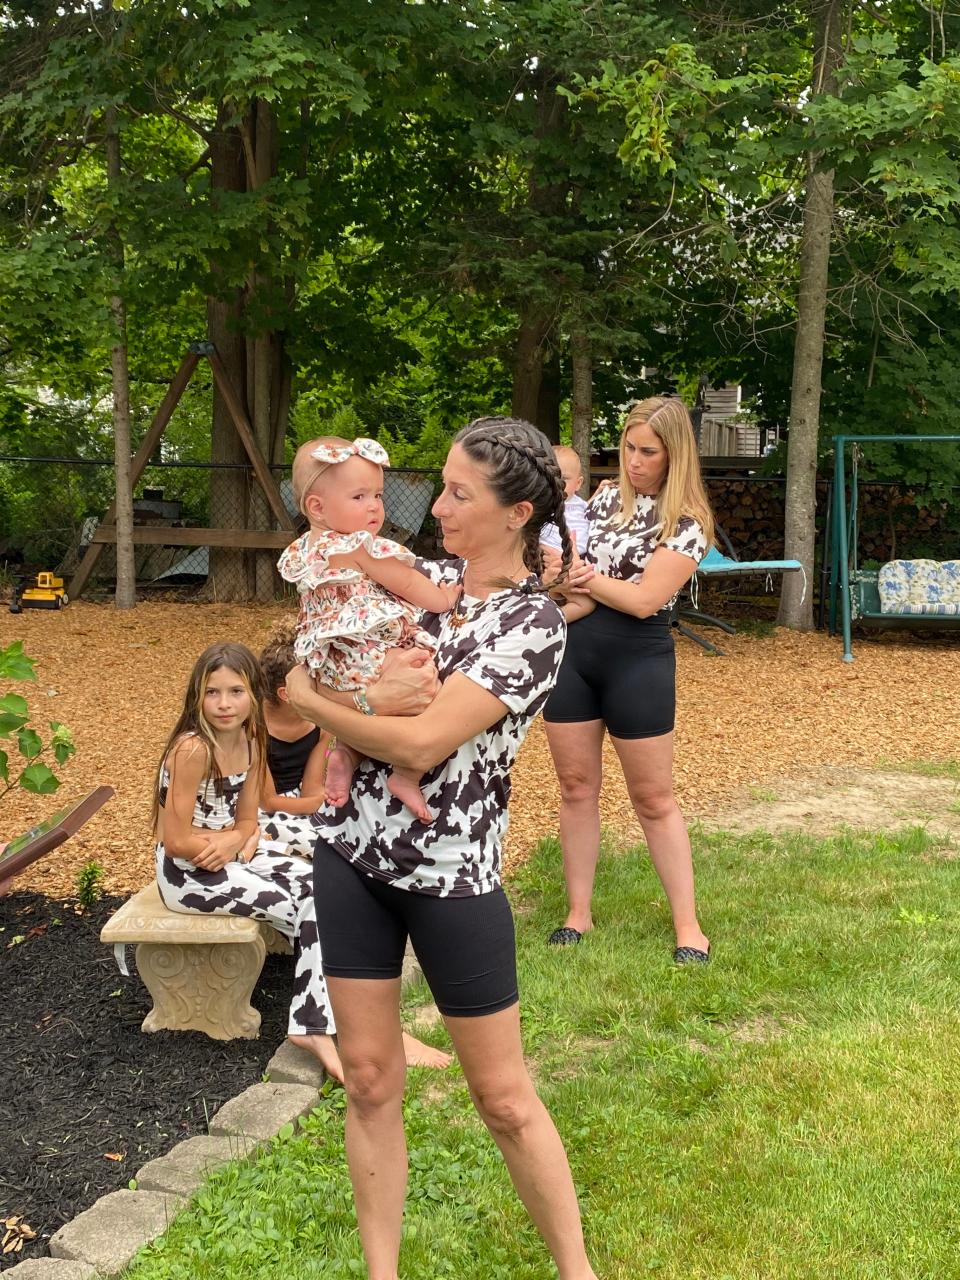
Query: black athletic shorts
pixel 618 669
pixel 465 946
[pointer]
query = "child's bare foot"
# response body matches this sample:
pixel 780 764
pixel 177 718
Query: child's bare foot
pixel 419 1054
pixel 340 766
pixel 403 788
pixel 324 1050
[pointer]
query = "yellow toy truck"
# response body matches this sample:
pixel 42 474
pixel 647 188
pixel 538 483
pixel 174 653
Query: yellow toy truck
pixel 46 593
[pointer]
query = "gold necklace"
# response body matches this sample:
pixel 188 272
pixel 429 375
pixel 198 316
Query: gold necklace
pixel 458 616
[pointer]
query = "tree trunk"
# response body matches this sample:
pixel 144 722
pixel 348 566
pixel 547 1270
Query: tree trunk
pixel 126 589
pixel 582 404
pixel 805 391
pixel 264 365
pixel 550 398
pixel 228 489
pixel 528 359
pixel 537 319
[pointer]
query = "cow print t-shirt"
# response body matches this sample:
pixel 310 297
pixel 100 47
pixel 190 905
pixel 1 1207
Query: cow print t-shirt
pixel 624 550
pixel 510 643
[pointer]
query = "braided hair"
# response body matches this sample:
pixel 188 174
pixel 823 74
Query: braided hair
pixel 521 467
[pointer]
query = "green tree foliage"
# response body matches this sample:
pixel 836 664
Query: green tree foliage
pixel 402 215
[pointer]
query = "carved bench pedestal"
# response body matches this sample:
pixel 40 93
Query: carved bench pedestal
pixel 199 969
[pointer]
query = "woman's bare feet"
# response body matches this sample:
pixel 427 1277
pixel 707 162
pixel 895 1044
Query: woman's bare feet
pixel 341 763
pixel 405 789
pixel 324 1050
pixel 419 1054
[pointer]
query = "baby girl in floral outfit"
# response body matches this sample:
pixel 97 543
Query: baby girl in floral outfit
pixel 360 594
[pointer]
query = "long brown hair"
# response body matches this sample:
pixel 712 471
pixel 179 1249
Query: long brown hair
pixel 234 657
pixel 682 492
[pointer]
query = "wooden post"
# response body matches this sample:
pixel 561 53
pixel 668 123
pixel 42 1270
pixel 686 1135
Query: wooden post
pixel 245 432
pixel 137 467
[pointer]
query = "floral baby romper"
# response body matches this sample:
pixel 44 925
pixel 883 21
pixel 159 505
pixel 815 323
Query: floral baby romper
pixel 347 621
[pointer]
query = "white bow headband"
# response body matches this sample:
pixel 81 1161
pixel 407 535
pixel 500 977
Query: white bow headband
pixel 362 448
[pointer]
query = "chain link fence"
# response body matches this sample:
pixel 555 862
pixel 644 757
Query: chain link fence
pixel 50 509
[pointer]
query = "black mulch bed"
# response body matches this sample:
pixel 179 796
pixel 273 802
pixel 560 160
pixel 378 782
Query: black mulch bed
pixel 80 1082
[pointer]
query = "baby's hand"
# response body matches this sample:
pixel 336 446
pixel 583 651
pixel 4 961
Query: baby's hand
pixel 451 594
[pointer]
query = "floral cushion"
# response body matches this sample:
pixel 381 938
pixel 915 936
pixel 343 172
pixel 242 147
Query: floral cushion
pixel 920 586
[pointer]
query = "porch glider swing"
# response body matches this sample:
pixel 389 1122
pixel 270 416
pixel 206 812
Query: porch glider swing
pixel 906 594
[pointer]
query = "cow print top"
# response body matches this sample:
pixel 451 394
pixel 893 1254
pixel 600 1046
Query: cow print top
pixel 510 643
pixel 211 812
pixel 624 550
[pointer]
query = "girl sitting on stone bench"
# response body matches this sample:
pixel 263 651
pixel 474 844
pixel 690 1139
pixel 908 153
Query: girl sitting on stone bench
pixel 209 853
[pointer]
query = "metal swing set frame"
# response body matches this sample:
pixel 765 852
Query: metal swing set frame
pixel 853 591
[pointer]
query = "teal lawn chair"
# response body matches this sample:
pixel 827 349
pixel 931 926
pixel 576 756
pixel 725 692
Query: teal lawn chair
pixel 714 565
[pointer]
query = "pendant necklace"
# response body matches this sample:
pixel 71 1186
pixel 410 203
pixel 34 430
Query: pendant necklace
pixel 459 614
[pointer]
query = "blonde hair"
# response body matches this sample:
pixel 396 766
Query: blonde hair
pixel 682 493
pixel 307 469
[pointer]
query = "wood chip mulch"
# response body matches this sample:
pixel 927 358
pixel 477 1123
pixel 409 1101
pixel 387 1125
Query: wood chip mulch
pixel 87 1098
pixel 772 708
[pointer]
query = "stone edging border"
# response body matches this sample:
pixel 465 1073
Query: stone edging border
pixel 101 1241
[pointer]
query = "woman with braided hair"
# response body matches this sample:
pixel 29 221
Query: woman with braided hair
pixel 386 877
pixel 646 537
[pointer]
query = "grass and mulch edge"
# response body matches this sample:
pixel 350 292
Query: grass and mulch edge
pixel 779 1112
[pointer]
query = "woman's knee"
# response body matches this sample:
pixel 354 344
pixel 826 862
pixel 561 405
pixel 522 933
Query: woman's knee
pixel 579 784
pixel 371 1085
pixel 506 1110
pixel 653 805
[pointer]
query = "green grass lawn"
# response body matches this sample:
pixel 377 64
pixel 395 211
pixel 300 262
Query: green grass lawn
pixel 788 1111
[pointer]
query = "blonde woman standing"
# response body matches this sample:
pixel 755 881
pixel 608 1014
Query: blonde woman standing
pixel 646 537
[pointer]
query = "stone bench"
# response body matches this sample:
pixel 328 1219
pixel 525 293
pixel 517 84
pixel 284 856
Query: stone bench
pixel 199 969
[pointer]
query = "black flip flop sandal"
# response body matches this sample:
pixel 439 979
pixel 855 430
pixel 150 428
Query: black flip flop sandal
pixel 565 937
pixel 691 955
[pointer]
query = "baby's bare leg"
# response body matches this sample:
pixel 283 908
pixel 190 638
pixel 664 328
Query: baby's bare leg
pixel 404 785
pixel 341 764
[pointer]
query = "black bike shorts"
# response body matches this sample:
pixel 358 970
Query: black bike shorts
pixel 618 669
pixel 466 946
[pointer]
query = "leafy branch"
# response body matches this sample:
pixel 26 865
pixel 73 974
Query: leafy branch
pixel 35 776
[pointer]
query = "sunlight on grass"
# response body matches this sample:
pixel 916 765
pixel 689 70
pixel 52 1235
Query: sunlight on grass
pixel 785 1112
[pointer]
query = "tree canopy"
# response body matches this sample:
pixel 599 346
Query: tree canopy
pixel 397 216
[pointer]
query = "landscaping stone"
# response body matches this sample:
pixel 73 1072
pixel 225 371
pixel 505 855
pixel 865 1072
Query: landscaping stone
pixel 293 1065
pixel 50 1269
pixel 182 1170
pixel 411 968
pixel 112 1230
pixel 260 1111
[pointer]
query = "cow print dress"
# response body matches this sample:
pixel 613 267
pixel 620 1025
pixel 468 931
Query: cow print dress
pixel 275 888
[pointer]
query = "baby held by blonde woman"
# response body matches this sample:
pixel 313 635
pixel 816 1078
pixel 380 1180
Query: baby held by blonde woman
pixel 360 594
pixel 574 507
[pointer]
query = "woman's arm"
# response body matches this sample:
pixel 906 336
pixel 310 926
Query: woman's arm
pixel 312 793
pixel 460 711
pixel 665 573
pixel 403 580
pixel 407 685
